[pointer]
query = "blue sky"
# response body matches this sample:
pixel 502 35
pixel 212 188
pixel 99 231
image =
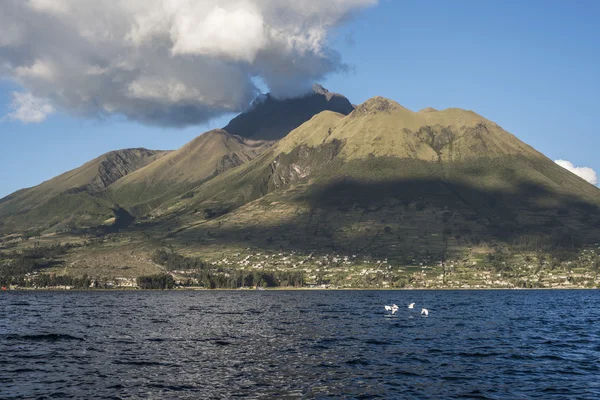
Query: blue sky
pixel 531 66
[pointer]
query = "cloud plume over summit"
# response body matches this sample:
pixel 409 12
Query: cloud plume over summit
pixel 165 62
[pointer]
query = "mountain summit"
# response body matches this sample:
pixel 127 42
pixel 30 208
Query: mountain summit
pixel 389 181
pixel 270 118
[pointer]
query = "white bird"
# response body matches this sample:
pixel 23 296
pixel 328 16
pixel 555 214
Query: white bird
pixel 425 312
pixel 393 308
pixel 411 305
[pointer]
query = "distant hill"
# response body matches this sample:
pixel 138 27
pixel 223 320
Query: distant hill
pixel 270 118
pixel 200 160
pixel 71 197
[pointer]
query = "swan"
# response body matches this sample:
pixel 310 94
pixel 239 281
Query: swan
pixel 425 312
pixel 411 305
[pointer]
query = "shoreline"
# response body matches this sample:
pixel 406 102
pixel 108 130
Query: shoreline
pixel 285 289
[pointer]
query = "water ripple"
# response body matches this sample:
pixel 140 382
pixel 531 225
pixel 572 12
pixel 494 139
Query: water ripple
pixel 484 345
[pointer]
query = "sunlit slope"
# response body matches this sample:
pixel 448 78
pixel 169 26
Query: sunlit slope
pixel 382 127
pixel 205 157
pixel 72 195
pixel 263 174
pixel 392 181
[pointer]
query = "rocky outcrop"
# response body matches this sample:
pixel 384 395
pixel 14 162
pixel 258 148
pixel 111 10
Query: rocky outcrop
pixel 118 164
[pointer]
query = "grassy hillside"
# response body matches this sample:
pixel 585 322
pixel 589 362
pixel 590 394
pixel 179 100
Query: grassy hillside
pixel 396 183
pixel 176 174
pixel 141 180
pixel 72 197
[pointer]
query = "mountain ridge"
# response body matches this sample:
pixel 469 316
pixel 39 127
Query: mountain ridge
pixel 201 159
pixel 74 191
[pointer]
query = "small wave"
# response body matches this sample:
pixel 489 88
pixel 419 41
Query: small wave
pixel 23 370
pixel 358 361
pixel 48 337
pixel 171 388
pixel 407 373
pixel 328 365
pixel 116 386
pixel 376 342
pixel 329 340
pixel 222 343
pixel 479 354
pixel 139 363
pixel 552 357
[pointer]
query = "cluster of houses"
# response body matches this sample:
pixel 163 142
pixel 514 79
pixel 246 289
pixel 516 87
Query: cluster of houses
pixel 348 271
pixel 353 270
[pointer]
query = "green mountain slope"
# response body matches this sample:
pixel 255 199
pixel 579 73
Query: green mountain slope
pixel 389 181
pixel 72 197
pixel 131 179
pixel 200 160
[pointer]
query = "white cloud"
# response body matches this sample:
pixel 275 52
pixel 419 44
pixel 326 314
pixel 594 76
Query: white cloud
pixel 51 6
pixel 167 62
pixel 38 70
pixel 583 172
pixel 238 32
pixel 28 108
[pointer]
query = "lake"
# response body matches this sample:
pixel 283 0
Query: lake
pixel 300 344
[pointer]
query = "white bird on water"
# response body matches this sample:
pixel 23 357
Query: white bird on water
pixel 411 305
pixel 425 312
pixel 393 308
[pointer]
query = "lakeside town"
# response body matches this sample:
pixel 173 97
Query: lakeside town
pixel 292 270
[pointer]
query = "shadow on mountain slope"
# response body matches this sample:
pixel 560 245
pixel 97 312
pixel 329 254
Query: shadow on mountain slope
pixel 403 218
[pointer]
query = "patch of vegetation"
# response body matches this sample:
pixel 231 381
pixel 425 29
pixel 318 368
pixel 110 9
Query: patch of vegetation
pixel 156 282
pixel 188 195
pixel 213 276
pixel 173 261
pixel 19 263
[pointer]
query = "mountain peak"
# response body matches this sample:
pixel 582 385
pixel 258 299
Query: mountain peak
pixel 318 89
pixel 428 110
pixel 270 118
pixel 376 105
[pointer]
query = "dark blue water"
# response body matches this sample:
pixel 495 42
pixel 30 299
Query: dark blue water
pixel 474 344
